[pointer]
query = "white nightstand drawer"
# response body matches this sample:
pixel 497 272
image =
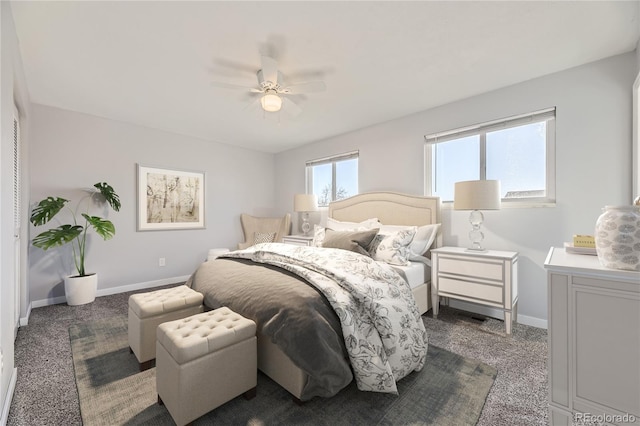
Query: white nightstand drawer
pixel 474 268
pixel 297 240
pixel 474 290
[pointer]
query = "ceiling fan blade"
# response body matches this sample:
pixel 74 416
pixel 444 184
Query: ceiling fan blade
pixel 235 86
pixel 236 66
pixel 252 105
pixel 290 107
pixel 308 87
pixel 269 69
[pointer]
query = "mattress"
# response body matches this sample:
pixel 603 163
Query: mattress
pixel 415 273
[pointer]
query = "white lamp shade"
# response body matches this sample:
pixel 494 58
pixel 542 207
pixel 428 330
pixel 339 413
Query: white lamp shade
pixel 271 102
pixel 305 203
pixel 477 195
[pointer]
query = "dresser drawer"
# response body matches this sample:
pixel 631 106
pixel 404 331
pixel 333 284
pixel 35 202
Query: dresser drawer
pixel 469 289
pixel 486 269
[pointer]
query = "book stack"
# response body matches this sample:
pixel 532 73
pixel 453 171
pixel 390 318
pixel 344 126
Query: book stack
pixel 582 244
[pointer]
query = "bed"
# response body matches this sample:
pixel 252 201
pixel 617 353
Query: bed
pixel 296 372
pixel 394 209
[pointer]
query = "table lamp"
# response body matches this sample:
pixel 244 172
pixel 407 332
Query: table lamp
pixel 476 195
pixel 305 203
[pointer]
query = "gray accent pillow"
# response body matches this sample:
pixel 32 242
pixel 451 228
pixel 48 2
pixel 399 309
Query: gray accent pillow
pixel 356 241
pixel 263 237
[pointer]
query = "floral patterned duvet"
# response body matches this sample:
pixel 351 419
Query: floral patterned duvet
pixel 383 332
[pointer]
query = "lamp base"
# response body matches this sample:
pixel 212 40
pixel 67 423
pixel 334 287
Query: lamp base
pixel 306 226
pixel 475 235
pixel 476 250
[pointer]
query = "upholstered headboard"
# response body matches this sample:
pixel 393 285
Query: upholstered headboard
pixel 390 208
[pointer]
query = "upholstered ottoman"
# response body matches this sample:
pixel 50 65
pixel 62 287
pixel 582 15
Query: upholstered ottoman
pixel 148 310
pixel 204 361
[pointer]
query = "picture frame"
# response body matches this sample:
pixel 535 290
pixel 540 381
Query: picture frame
pixel 170 199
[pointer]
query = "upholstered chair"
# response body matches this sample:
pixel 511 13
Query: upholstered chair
pixel 263 229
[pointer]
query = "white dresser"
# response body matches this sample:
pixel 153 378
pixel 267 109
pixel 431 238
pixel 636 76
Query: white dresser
pixel 488 278
pixel 594 341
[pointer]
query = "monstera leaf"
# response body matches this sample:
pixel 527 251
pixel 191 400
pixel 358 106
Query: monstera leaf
pixel 103 227
pixel 109 194
pixel 57 236
pixel 46 209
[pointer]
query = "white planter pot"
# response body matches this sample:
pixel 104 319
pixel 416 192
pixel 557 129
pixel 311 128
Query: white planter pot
pixel 80 290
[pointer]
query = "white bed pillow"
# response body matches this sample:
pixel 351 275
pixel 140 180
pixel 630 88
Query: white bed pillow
pixel 336 225
pixel 392 246
pixel 422 240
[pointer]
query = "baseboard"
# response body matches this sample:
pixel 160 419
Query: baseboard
pixel 6 404
pixel 141 286
pixel 533 321
pixel 25 320
pixel 49 301
pixel 107 292
pixel 496 313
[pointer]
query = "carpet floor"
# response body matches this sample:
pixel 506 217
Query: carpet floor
pixel 46 392
pixel 449 391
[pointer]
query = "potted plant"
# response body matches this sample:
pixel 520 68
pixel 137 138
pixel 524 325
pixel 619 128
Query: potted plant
pixel 81 288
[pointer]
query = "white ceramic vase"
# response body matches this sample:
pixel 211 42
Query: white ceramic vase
pixel 618 237
pixel 80 290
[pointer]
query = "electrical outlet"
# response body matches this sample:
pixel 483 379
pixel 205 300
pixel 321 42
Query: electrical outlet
pixel 162 261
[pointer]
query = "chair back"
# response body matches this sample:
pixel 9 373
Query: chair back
pixel 252 225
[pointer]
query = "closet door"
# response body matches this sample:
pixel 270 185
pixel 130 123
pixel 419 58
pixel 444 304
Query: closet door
pixel 17 213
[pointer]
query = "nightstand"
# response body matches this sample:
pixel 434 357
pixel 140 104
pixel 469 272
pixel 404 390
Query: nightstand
pixel 298 240
pixel 488 278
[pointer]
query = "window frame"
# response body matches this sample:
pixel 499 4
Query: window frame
pixel 481 130
pixel 333 159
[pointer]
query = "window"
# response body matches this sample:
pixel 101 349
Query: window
pixel 517 151
pixel 333 178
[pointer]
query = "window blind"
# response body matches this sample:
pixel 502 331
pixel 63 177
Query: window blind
pixel 333 158
pixel 491 126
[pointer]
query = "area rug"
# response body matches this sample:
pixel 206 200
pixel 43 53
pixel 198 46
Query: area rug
pixel 450 390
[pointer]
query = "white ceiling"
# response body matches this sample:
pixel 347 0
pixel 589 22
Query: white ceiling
pixel 152 62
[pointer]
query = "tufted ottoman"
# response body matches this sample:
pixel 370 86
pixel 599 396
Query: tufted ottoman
pixel 148 310
pixel 204 361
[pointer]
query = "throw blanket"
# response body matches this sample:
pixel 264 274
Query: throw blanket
pixel 384 334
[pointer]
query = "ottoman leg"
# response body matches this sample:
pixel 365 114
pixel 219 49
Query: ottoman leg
pixel 250 394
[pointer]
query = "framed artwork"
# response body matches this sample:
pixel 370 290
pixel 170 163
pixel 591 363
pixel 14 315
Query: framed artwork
pixel 170 199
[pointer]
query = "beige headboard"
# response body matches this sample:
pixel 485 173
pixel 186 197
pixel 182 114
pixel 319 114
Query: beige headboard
pixel 390 208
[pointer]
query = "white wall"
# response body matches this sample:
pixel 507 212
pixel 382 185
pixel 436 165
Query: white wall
pixel 593 150
pixel 72 150
pixel 636 142
pixel 12 92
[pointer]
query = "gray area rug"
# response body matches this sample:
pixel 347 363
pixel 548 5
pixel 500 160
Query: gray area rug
pixel 450 390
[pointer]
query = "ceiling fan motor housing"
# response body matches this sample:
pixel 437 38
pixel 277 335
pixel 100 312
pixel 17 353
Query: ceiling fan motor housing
pixel 269 84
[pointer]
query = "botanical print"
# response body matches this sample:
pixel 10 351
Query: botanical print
pixel 384 334
pixel 169 199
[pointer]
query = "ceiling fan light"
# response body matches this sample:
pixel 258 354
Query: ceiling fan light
pixel 271 102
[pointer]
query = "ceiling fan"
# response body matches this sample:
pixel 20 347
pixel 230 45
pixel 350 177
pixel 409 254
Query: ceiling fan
pixel 271 92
